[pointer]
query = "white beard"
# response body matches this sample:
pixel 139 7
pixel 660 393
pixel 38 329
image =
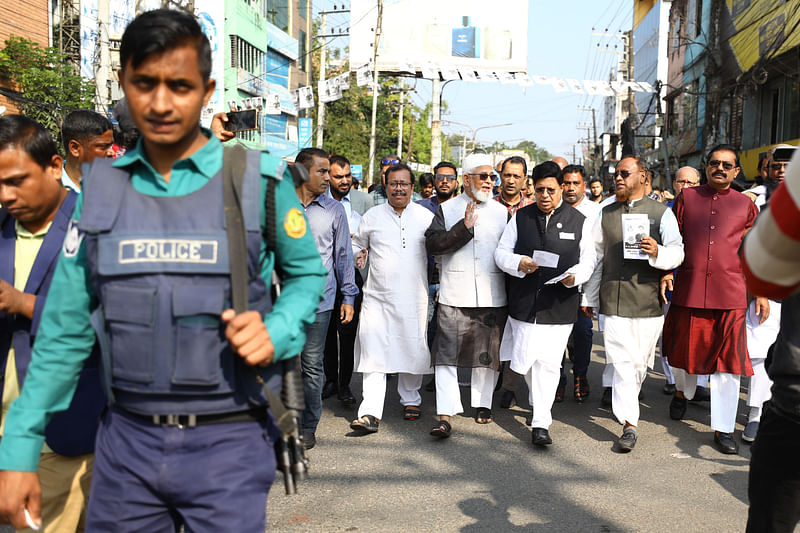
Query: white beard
pixel 480 195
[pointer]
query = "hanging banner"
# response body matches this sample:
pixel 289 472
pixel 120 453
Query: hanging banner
pixel 88 37
pixel 306 99
pixel 363 76
pixel 344 81
pixel 272 104
pixel 211 16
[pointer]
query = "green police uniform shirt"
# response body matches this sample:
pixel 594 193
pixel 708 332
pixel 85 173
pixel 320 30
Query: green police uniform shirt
pixel 65 337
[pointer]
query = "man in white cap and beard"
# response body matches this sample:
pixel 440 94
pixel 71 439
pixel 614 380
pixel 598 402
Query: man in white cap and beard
pixel 472 296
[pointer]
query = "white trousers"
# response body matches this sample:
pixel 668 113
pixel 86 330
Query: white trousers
pixel 630 344
pixel 542 379
pixel 374 392
pixel 724 396
pixel 625 387
pixel 448 395
pixel 760 389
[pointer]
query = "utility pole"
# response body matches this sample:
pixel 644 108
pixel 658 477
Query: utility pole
pixel 436 122
pixel 323 56
pixel 400 120
pixel 628 40
pixel 371 166
pixel 323 59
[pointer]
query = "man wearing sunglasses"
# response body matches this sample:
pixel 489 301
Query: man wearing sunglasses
pixel 472 297
pixel 445 183
pixel 626 289
pixel 705 332
pixel 379 195
pixel 547 250
pixel 761 335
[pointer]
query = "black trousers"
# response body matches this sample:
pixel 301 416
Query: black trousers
pixel 341 340
pixel 774 485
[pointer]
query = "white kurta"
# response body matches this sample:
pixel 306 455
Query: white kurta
pixel 392 326
pixel 523 343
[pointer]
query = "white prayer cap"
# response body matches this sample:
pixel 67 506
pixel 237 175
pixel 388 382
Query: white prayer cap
pixel 473 161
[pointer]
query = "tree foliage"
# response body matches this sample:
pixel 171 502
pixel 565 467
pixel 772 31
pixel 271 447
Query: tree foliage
pixel 47 85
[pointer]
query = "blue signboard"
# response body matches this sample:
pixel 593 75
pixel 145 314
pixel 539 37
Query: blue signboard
pixel 356 171
pixel 304 132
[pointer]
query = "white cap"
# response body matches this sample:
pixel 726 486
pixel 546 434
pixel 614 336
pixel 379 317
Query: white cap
pixel 473 161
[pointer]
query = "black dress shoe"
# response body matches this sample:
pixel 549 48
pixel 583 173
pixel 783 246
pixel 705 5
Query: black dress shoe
pixel 541 437
pixel 725 443
pixel 669 388
pixel 677 408
pixel 701 394
pixel 508 400
pixel 628 440
pixel 309 440
pixel 605 401
pixel 328 390
pixel 346 397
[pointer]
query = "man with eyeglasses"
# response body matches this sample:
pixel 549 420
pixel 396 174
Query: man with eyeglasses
pixel 762 334
pixel 379 195
pixel 341 337
pixel 547 250
pixel 472 299
pixel 392 339
pixel 625 286
pixel 704 332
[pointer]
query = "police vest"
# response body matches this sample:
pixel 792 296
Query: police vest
pixel 529 299
pixel 160 268
pixel 629 287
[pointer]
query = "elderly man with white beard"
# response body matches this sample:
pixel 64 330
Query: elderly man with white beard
pixel 472 297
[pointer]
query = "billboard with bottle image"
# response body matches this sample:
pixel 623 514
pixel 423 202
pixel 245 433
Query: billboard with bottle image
pixel 449 34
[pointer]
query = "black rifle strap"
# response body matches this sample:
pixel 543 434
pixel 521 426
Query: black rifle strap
pixel 234 161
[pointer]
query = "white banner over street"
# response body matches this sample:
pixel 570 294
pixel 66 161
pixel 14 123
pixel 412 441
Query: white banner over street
pixel 453 34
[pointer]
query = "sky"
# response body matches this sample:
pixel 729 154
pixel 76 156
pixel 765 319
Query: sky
pixel 560 44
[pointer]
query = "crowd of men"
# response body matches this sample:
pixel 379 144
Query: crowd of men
pixel 119 311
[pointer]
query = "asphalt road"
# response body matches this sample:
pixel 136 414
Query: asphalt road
pixel 491 478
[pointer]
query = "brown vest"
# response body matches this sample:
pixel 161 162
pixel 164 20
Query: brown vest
pixel 629 287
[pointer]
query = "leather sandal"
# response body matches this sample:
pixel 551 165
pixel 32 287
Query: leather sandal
pixel 483 415
pixel 411 412
pixel 366 423
pixel 442 429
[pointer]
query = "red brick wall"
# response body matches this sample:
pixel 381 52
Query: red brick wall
pixel 23 18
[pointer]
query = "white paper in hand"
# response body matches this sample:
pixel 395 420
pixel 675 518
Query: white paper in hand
pixel 545 259
pixel 557 278
pixel 635 226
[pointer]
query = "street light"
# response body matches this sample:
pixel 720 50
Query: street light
pixel 475 132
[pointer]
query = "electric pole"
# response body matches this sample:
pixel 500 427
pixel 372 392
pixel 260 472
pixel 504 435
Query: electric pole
pixel 436 122
pixel 323 58
pixel 400 119
pixel 371 166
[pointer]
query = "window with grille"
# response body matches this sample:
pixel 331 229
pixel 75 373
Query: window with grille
pixel 246 56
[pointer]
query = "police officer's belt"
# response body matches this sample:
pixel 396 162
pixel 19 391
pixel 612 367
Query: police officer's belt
pixel 190 421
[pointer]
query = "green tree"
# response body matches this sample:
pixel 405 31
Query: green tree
pixel 47 86
pixel 535 152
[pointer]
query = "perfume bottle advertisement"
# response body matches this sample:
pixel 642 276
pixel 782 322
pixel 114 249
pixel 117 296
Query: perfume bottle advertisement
pixel 443 34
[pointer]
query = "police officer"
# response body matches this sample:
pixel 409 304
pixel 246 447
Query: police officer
pixel 186 439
